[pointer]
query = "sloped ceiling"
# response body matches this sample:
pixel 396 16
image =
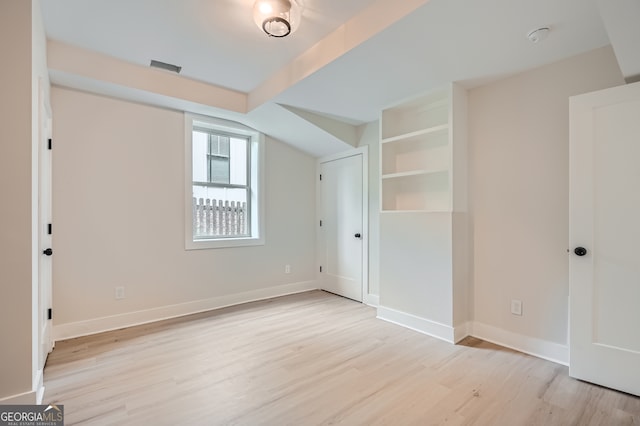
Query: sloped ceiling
pixel 348 60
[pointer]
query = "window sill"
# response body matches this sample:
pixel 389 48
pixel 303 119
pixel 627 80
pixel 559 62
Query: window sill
pixel 223 243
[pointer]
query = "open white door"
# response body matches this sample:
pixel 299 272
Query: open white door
pixel 342 233
pixel 44 234
pixel 604 238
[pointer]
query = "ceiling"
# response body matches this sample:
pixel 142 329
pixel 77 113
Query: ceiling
pixel 347 61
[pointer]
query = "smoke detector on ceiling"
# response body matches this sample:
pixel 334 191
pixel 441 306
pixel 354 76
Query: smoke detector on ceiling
pixel 539 34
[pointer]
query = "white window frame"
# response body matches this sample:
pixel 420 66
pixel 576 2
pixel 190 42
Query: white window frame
pixel 256 153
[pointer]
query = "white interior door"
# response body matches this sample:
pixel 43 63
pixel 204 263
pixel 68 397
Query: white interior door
pixel 604 237
pixel 342 233
pixel 44 234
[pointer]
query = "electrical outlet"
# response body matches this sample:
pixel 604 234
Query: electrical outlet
pixel 516 307
pixel 119 292
pixel 287 269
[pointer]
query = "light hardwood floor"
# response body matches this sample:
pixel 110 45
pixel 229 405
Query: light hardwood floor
pixel 313 359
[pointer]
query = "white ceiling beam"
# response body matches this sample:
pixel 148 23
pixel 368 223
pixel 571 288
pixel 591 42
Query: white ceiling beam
pixel 357 30
pixel 621 19
pixel 71 60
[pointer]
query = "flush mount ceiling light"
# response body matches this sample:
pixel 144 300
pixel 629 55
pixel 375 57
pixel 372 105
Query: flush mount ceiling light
pixel 277 18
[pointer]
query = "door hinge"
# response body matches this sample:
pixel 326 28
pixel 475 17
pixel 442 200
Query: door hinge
pixel 49 144
pixel 320 223
pixel 321 269
pixel 49 229
pixel 320 177
pixel 49 313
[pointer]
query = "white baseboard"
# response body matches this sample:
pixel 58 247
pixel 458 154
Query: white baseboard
pixel 421 325
pixel 533 346
pixel 372 300
pixel 461 331
pixel 544 349
pixel 27 398
pixel 99 325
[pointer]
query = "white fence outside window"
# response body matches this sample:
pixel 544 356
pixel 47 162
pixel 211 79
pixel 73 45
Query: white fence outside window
pixel 217 218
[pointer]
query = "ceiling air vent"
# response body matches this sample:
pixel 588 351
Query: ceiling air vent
pixel 165 66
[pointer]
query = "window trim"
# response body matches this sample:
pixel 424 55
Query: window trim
pixel 256 161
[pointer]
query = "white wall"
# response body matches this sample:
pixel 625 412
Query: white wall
pixel 118 220
pixel 15 187
pixel 23 47
pixel 519 183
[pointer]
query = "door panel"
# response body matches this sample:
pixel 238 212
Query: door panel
pixel 341 214
pixel 604 211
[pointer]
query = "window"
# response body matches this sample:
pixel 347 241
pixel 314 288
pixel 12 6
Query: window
pixel 222 185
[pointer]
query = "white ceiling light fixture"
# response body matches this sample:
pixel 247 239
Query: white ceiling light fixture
pixel 277 18
pixel 539 34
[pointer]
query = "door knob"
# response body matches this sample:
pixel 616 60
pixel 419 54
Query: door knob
pixel 358 235
pixel 580 251
pixel 48 252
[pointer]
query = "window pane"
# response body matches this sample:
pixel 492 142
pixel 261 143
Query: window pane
pixel 219 169
pixel 218 157
pixel 220 212
pixel 199 150
pixel 238 168
pixel 223 146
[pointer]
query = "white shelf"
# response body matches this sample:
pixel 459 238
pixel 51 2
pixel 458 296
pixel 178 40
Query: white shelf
pixel 415 117
pixel 415 155
pixel 413 211
pixel 423 190
pixel 414 173
pixel 417 133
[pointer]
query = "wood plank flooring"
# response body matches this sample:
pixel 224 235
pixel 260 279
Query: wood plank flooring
pixel 313 359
